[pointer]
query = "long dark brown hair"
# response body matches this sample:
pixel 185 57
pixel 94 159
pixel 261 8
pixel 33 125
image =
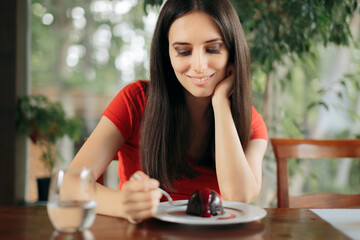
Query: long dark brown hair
pixel 164 133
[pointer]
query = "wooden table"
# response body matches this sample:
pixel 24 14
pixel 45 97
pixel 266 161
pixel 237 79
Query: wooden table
pixel 32 222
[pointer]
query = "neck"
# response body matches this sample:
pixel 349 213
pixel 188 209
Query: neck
pixel 199 118
pixel 199 108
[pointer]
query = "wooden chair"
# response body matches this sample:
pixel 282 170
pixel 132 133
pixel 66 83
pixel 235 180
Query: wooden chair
pixel 312 149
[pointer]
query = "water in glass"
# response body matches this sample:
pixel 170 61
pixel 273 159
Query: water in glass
pixel 72 205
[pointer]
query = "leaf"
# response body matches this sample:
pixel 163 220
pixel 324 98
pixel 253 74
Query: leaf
pixel 321 91
pixel 343 82
pixel 356 84
pixel 324 105
pixel 298 170
pixel 313 176
pixel 311 105
pixel 45 122
pixel 320 103
pixel 340 95
pixel 151 3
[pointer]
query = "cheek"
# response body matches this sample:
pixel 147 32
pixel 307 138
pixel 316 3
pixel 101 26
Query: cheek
pixel 179 66
pixel 221 66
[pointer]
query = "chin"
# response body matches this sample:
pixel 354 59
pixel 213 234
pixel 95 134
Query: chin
pixel 201 94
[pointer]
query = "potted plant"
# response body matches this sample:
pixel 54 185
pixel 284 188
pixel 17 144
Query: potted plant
pixel 45 122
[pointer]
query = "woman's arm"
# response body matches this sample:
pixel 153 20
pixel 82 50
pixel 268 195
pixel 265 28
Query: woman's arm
pixel 138 199
pixel 239 172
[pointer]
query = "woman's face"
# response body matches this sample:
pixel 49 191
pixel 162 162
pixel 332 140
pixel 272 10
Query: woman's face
pixel 198 54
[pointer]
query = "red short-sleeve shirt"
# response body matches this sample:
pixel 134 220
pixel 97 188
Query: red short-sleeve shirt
pixel 126 111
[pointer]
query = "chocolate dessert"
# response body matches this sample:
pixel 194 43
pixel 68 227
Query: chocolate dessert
pixel 205 203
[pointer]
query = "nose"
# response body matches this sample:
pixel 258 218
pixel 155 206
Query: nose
pixel 199 61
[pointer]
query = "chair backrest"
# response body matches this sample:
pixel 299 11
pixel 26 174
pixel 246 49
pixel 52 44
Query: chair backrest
pixel 312 149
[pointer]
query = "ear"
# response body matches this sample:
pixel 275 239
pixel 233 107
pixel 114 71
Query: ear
pixel 230 69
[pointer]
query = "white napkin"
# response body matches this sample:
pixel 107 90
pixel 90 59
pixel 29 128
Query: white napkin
pixel 346 221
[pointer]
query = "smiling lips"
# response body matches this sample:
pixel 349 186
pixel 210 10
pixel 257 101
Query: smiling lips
pixel 201 80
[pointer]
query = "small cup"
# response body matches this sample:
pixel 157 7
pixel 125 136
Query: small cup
pixel 71 206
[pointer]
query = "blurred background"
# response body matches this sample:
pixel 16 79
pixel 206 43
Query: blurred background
pixel 305 76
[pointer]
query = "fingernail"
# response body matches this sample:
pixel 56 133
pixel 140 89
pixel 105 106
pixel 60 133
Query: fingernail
pixel 137 177
pixel 152 184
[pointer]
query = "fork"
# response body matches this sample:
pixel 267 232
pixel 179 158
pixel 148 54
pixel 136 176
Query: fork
pixel 163 192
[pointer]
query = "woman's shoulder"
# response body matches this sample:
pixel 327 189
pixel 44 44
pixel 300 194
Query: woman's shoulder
pixel 134 88
pixel 126 108
pixel 132 96
pixel 254 112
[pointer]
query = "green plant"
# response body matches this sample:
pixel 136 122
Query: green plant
pixel 45 122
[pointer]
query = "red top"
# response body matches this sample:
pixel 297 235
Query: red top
pixel 126 111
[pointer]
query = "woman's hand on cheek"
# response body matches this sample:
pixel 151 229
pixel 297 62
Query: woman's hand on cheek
pixel 224 89
pixel 141 198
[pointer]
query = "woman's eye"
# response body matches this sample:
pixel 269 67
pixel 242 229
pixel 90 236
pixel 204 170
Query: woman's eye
pixel 183 53
pixel 213 50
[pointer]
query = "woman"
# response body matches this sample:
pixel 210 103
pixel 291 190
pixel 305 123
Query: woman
pixel 192 125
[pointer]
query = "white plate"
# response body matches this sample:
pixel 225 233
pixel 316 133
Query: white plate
pixel 235 212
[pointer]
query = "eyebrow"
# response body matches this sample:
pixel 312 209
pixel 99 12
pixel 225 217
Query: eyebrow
pixel 208 41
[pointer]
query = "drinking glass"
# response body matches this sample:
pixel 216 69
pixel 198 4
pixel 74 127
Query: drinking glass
pixel 71 205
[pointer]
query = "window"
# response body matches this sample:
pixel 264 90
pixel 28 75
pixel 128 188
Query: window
pixel 82 54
